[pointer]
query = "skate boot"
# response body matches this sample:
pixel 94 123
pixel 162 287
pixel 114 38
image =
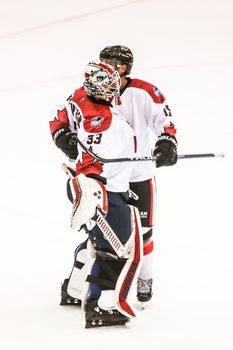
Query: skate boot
pixel 144 290
pixel 97 317
pixel 66 299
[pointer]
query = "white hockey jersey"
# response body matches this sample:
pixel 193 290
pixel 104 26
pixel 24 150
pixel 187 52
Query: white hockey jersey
pixel 146 110
pixel 102 130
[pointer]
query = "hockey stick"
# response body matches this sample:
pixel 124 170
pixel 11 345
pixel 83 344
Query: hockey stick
pixel 201 155
pixel 146 158
pixel 103 225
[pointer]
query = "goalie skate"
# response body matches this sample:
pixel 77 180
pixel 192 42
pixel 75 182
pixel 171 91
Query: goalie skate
pixel 66 299
pixel 97 317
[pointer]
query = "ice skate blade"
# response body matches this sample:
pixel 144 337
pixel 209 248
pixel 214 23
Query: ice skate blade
pixel 71 302
pixel 100 323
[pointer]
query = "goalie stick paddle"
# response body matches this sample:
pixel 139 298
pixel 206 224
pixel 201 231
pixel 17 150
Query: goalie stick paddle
pixel 146 158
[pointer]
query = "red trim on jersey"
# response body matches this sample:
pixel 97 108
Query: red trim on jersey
pixel 152 90
pixel 60 121
pixel 170 129
pixel 89 165
pixel 148 247
pixel 89 169
pixel 63 116
pixel 135 143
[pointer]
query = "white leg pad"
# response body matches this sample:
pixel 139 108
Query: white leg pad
pixel 129 274
pixel 77 286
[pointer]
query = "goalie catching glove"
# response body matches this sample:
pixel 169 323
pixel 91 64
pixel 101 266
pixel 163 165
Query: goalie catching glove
pixel 88 195
pixel 165 150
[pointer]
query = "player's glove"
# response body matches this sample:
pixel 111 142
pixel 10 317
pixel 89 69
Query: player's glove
pixel 166 150
pixel 66 141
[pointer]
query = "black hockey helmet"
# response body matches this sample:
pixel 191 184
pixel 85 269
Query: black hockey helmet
pixel 119 53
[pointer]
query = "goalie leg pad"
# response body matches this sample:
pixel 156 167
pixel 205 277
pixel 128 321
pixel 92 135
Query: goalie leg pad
pixel 104 274
pixel 74 282
pixel 84 260
pixel 101 311
pixel 77 275
pixel 130 271
pixel 119 275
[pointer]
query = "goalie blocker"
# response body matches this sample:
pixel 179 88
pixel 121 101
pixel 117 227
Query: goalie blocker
pixel 104 282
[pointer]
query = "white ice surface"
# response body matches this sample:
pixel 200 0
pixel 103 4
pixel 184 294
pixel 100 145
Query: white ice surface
pixel 186 49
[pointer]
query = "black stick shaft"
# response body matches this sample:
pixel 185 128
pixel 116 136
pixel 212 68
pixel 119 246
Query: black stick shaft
pixel 146 158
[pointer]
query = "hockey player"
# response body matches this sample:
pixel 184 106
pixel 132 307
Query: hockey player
pixel 112 253
pixel 146 110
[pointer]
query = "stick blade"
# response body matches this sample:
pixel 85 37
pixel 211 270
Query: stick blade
pixel 221 155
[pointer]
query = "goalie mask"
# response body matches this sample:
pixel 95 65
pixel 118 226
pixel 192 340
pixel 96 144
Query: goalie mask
pixel 101 79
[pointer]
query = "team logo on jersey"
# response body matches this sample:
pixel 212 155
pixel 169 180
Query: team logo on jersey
pixel 157 95
pixel 96 122
pixel 157 91
pixel 143 214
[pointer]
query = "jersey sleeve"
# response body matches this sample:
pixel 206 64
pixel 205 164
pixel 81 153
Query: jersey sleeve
pixel 61 117
pixel 153 107
pixel 158 112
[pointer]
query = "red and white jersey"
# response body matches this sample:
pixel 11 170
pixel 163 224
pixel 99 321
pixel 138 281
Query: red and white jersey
pixel 146 110
pixel 102 130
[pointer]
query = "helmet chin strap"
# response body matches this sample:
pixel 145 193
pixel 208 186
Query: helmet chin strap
pixel 100 97
pixel 109 99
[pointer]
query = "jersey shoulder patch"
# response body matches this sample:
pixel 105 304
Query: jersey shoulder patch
pixel 97 117
pixel 151 89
